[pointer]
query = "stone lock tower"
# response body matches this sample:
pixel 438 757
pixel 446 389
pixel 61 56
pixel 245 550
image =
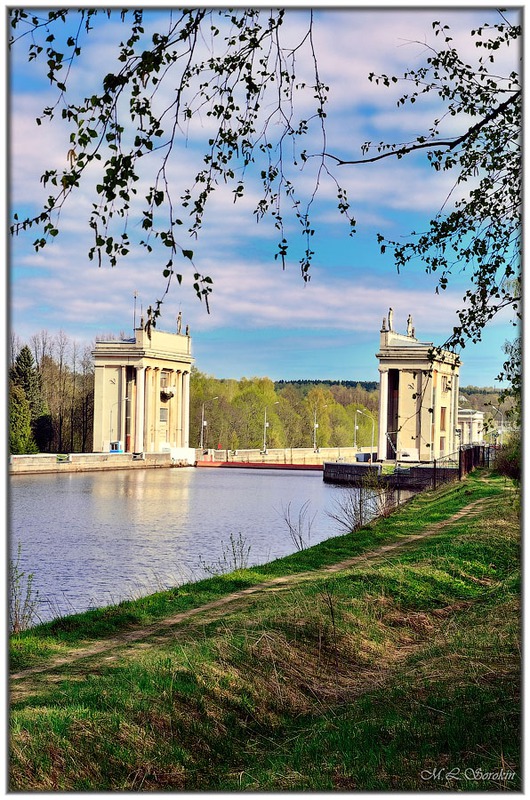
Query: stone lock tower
pixel 142 393
pixel 418 397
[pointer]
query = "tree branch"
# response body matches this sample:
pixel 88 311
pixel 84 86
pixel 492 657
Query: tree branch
pixel 449 143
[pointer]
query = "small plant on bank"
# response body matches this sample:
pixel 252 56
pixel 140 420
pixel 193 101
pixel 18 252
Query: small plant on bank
pixel 357 505
pixel 234 556
pixel 299 527
pixel 23 598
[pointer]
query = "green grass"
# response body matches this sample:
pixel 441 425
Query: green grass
pixel 360 680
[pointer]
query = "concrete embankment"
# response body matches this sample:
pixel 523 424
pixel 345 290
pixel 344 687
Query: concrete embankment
pixel 284 458
pixel 281 458
pixel 88 462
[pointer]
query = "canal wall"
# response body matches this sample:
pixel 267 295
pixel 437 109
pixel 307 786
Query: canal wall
pixel 91 462
pixel 288 456
pixel 299 457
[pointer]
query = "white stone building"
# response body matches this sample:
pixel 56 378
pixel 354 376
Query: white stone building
pixel 142 394
pixel 471 426
pixel 418 397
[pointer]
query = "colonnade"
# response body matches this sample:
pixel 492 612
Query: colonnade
pixel 151 432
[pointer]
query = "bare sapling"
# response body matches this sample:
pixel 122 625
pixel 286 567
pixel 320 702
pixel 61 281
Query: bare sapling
pixel 23 597
pixel 234 556
pixel 299 525
pixel 356 506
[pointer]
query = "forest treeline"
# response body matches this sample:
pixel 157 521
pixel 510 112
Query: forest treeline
pixel 51 404
pixel 253 412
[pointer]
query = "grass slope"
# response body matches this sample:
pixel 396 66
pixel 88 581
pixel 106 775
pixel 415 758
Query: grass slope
pixel 398 673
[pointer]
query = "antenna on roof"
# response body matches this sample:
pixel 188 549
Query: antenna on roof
pixel 134 315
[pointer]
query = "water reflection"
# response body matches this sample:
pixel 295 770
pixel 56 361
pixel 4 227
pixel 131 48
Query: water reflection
pixel 93 539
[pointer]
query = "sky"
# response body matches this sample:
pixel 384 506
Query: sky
pixel 263 320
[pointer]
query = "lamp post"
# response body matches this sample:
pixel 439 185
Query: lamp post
pixel 204 422
pixel 373 428
pixel 315 428
pixel 265 426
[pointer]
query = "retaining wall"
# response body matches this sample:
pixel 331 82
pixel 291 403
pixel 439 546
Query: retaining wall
pixel 85 462
pixel 287 455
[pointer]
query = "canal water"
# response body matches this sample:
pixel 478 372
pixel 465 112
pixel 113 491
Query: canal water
pixel 93 539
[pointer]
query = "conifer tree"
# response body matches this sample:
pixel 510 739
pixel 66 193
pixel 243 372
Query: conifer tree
pixel 24 374
pixel 20 436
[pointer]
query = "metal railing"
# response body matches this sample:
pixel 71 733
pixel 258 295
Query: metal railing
pixel 448 468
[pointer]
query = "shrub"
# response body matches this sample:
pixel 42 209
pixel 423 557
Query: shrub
pixel 508 459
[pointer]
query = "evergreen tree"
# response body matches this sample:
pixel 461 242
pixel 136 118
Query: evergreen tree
pixel 20 436
pixel 24 374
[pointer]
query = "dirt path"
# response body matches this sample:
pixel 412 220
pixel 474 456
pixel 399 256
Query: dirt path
pixel 161 628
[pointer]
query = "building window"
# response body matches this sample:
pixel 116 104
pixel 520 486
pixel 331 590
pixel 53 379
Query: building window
pixel 164 380
pixel 443 415
pixel 163 415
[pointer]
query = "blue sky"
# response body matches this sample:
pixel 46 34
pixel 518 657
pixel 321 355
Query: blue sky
pixel 264 321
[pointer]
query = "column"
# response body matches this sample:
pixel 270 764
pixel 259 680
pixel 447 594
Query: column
pixel 171 408
pixel 99 404
pixel 419 412
pixel 383 413
pixel 121 407
pixel 156 411
pixel 148 413
pixel 433 429
pixel 178 410
pixel 185 409
pixel 140 407
pixel 456 388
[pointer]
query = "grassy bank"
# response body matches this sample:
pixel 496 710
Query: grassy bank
pixel 398 672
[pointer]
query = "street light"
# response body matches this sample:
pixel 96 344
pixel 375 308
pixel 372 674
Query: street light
pixel 265 426
pixel 355 428
pixel 203 421
pixel 358 411
pixel 315 427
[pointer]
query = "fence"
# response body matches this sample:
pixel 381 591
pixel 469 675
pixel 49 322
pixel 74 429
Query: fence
pixel 451 467
pixel 472 456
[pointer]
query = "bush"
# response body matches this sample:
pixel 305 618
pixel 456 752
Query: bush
pixel 508 459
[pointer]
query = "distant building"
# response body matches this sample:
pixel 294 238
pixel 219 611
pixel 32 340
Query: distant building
pixel 142 393
pixel 470 426
pixel 418 397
